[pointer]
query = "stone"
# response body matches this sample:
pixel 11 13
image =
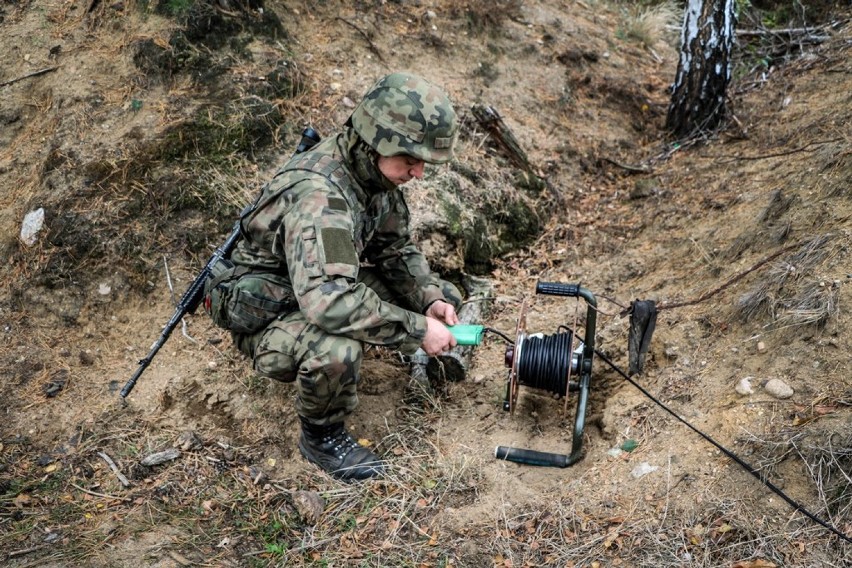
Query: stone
pixel 160 457
pixel 744 386
pixel 309 504
pixel 778 388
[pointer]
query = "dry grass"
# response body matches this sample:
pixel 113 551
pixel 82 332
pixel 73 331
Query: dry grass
pixel 221 508
pixel 822 447
pixel 718 532
pixel 791 293
pixel 651 25
pixel 484 16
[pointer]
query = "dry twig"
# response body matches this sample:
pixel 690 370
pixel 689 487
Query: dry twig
pixel 114 469
pixel 28 75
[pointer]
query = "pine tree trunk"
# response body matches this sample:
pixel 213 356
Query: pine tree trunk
pixel 704 70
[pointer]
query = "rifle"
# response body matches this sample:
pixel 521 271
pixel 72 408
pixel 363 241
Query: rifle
pixel 192 297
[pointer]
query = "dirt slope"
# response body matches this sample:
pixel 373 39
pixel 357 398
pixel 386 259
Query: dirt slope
pixel 147 129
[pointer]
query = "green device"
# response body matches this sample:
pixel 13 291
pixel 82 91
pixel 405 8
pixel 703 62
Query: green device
pixel 467 334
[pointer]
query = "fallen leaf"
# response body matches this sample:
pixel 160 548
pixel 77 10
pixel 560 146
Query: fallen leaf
pixel 365 442
pixel 759 563
pixel 182 560
pixel 21 500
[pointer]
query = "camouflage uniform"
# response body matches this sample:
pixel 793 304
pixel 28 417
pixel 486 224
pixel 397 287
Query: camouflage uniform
pixel 335 232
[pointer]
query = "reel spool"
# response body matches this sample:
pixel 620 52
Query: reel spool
pixel 550 363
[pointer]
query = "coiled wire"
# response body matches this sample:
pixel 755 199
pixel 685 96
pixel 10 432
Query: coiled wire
pixel 545 362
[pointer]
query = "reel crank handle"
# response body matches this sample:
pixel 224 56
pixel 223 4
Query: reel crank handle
pixel 557 289
pixel 569 290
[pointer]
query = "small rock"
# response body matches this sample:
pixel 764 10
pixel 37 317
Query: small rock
pixel 53 387
pixel 744 386
pixel 643 468
pixel 212 365
pixel 348 103
pixel 778 388
pixel 86 359
pixel 33 223
pixel 161 457
pixel 761 347
pixel 104 289
pixel 309 504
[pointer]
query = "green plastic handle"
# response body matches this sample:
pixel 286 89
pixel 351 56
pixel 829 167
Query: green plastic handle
pixel 468 334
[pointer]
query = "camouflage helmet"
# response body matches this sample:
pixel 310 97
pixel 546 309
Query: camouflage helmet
pixel 403 114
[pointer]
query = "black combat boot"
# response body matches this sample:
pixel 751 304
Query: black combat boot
pixel 335 451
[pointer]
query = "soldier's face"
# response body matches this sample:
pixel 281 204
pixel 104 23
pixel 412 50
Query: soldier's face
pixel 400 169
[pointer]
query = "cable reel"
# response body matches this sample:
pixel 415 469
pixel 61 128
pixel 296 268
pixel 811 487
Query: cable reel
pixel 559 364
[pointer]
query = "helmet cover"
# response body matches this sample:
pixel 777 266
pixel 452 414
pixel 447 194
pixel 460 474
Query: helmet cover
pixel 403 114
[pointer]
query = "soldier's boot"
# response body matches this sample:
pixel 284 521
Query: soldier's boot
pixel 336 452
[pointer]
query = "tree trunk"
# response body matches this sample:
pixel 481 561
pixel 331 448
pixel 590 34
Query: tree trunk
pixel 704 70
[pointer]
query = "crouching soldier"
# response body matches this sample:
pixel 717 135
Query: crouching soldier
pixel 326 264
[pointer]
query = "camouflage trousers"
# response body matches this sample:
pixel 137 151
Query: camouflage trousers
pixel 326 367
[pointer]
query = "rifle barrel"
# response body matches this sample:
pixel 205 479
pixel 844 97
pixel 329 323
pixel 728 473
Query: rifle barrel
pixel 188 304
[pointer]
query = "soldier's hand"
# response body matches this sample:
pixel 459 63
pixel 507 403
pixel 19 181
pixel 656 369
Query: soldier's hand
pixel 444 312
pixel 438 338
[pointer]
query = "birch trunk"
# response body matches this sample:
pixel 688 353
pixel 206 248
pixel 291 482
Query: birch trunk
pixel 704 69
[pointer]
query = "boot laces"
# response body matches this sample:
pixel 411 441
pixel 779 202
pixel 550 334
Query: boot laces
pixel 343 444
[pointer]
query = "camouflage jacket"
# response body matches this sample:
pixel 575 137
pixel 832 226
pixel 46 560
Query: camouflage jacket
pixel 317 220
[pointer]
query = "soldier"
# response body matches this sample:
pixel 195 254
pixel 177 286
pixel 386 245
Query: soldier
pixel 326 255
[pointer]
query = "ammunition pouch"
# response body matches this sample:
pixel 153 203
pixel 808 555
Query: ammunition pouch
pixel 243 301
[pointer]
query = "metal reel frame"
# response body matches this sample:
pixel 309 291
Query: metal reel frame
pixel 532 457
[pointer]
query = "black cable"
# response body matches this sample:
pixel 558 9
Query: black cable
pixel 500 333
pixel 742 463
pixel 543 364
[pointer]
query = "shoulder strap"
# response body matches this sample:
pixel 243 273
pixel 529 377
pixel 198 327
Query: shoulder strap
pixel 320 163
